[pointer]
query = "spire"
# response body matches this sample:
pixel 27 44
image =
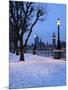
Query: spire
pixel 54 36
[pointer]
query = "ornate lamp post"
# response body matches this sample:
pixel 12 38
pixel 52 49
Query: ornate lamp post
pixel 57 53
pixel 34 50
pixel 58 41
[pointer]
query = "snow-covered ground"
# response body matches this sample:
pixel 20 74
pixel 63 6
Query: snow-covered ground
pixel 36 71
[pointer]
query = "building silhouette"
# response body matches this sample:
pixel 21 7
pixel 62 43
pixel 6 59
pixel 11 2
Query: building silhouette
pixel 54 40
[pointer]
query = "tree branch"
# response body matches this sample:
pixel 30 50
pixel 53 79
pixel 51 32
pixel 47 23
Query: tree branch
pixel 30 31
pixel 39 13
pixel 11 11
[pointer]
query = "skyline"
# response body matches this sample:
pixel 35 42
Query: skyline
pixel 46 28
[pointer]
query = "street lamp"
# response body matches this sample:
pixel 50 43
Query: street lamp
pixel 34 50
pixel 57 53
pixel 58 41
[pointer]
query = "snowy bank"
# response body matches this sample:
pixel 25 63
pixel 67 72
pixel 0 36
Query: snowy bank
pixel 36 71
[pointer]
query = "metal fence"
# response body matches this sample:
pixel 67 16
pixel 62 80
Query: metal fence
pixel 46 53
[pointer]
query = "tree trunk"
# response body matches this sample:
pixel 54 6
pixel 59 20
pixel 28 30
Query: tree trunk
pixel 16 48
pixel 13 47
pixel 21 50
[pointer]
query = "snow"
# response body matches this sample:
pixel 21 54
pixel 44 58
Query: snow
pixel 36 71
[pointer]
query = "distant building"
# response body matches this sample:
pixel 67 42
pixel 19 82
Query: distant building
pixel 54 40
pixel 39 43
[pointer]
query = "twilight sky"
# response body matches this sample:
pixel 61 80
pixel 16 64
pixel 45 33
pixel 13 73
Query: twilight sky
pixel 46 28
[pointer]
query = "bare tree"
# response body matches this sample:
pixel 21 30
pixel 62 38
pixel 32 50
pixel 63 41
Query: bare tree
pixel 24 16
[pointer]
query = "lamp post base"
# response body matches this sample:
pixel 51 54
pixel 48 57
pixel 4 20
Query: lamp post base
pixel 57 54
pixel 34 52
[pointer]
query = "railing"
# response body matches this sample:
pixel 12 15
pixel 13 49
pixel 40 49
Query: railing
pixel 46 53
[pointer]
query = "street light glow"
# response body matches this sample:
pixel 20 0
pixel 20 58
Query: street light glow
pixel 58 22
pixel 35 36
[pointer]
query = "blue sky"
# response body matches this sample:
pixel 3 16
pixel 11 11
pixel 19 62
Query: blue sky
pixel 46 28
